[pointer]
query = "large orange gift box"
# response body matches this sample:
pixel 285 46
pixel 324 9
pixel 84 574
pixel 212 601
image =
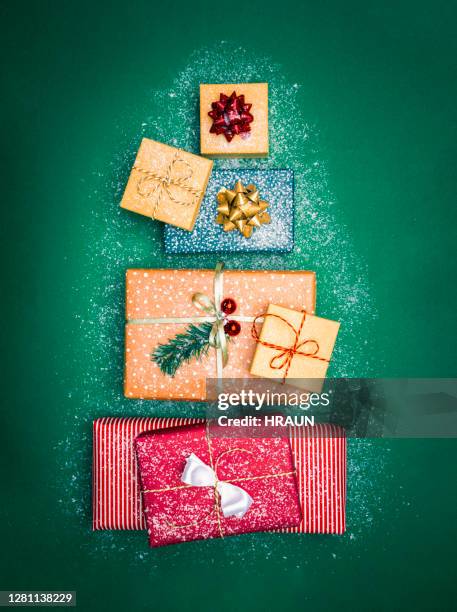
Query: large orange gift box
pixel 159 306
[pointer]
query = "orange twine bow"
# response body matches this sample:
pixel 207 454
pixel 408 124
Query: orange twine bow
pixel 284 358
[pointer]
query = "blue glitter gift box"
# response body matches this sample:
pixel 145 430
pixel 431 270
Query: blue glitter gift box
pixel 275 186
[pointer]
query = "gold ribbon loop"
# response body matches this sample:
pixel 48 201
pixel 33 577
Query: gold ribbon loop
pixel 203 302
pixel 217 337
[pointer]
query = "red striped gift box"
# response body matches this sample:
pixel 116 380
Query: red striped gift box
pixel 319 454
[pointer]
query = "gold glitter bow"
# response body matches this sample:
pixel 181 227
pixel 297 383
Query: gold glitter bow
pixel 177 174
pixel 241 208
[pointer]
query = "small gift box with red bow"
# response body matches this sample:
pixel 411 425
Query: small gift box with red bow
pixel 167 184
pixel 197 485
pixel 234 120
pixel 293 346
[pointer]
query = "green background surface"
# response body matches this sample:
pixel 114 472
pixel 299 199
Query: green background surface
pixel 377 88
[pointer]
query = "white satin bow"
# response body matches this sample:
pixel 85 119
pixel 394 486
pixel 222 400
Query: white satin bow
pixel 234 500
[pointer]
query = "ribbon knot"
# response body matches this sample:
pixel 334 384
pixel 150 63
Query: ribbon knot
pixel 177 174
pixel 217 338
pixel 233 500
pixel 283 359
pixel 285 354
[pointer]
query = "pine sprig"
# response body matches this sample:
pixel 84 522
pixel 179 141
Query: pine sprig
pixel 191 344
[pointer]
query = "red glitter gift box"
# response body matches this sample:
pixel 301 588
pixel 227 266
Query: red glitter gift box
pixel 196 485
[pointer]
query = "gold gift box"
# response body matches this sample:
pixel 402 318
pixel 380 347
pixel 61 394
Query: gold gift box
pixel 294 346
pixel 167 184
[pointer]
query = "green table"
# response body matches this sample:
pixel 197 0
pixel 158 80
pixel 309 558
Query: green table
pixel 363 108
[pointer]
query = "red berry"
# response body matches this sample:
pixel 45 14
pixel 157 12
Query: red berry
pixel 232 328
pixel 228 306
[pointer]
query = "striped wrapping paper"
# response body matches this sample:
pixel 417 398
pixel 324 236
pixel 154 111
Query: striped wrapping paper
pixel 319 453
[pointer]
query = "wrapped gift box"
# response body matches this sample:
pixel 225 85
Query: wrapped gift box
pixel 167 184
pixel 274 186
pixel 251 102
pixel 159 306
pixel 319 455
pixel 313 338
pixel 258 492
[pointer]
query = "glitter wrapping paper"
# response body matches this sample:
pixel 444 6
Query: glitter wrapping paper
pixel 168 293
pixel 275 186
pixel 176 513
pixel 177 201
pixel 319 455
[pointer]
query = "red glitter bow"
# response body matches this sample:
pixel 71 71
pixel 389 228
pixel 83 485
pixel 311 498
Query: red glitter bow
pixel 230 116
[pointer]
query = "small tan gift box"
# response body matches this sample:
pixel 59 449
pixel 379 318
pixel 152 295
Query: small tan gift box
pixel 294 346
pixel 167 184
pixel 251 144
